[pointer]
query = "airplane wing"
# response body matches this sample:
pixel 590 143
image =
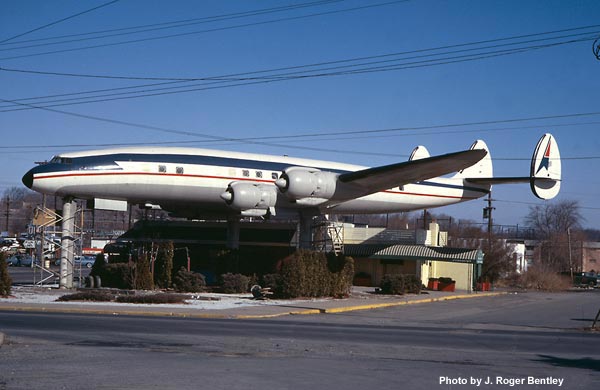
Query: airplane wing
pixel 372 180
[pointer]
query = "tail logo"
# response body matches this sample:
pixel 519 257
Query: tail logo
pixel 545 163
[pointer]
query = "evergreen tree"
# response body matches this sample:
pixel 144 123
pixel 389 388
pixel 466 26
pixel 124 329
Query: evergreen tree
pixel 5 280
pixel 163 266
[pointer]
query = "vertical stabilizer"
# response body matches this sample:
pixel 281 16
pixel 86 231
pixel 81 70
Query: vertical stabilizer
pixel 482 169
pixel 546 168
pixel 418 153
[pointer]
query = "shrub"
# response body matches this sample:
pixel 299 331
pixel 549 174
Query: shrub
pixel 96 296
pixel 188 281
pixel 314 274
pixel 412 284
pixel 399 284
pixel 116 275
pixel 163 265
pixel 5 280
pixel 272 281
pixel 98 265
pixel 235 283
pixel 542 279
pixel 141 275
pixel 153 298
pixel 392 284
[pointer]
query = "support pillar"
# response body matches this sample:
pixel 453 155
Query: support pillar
pixel 67 243
pixel 233 233
pixel 305 238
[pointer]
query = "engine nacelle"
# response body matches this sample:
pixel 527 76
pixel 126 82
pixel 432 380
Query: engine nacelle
pixel 249 196
pixel 298 183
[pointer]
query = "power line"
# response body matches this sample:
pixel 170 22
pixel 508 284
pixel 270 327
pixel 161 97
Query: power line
pixel 228 80
pixel 228 77
pixel 59 21
pixel 175 24
pixel 317 137
pixel 537 204
pixel 259 140
pixel 205 31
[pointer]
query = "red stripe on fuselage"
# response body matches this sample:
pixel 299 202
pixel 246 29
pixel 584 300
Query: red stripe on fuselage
pixel 221 178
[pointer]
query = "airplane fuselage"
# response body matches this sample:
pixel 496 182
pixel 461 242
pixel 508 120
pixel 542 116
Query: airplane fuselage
pixel 192 181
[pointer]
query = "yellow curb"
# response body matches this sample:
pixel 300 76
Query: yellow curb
pixel 249 316
pixel 412 302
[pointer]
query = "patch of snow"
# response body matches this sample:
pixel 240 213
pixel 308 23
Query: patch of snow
pixel 204 301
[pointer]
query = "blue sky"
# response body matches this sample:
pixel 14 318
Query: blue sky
pixel 559 81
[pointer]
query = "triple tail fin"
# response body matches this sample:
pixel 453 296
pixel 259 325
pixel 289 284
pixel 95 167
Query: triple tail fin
pixel 545 174
pixel 546 171
pixel 482 169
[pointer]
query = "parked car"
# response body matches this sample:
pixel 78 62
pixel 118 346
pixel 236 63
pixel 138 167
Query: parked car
pixel 81 261
pixel 85 261
pixel 21 260
pixel 12 261
pixel 586 279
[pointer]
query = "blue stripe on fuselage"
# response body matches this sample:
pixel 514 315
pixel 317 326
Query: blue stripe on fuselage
pixel 103 162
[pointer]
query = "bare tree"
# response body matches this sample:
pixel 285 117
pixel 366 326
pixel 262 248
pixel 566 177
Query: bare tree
pixel 498 261
pixel 550 219
pixel 553 224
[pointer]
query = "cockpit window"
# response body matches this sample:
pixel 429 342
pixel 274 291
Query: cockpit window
pixel 61 160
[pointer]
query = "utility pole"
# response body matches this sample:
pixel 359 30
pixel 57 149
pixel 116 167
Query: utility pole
pixel 570 256
pixel 7 212
pixel 487 214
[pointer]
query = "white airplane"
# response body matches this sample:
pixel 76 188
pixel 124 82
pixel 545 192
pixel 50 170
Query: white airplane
pixel 198 183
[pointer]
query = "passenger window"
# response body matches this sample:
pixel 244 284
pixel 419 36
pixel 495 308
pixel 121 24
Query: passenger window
pixel 258 174
pixel 246 173
pixel 274 176
pixel 179 170
pixel 162 168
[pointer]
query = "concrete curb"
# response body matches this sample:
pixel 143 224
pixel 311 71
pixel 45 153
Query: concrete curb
pixel 187 314
pixel 407 302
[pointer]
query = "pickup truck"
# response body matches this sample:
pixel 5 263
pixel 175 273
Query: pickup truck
pixel 586 279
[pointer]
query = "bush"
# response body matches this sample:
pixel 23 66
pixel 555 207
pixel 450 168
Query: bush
pixel 98 265
pixel 116 275
pixel 545 280
pixel 235 283
pixel 412 284
pixel 188 281
pixel 399 284
pixel 314 274
pixel 5 280
pixel 141 275
pixel 272 281
pixel 153 298
pixel 392 284
pixel 163 266
pixel 95 296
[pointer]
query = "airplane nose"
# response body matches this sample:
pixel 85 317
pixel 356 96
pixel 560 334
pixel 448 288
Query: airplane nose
pixel 28 179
